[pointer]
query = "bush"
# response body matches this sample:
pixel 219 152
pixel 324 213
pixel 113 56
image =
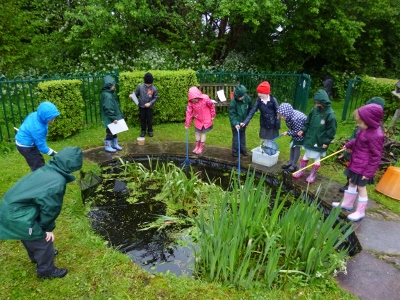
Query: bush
pixel 67 96
pixel 381 87
pixel 172 89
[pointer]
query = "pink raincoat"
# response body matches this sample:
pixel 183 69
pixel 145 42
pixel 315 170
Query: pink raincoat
pixel 203 112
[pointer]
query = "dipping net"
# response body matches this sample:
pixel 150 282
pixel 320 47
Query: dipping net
pixel 88 183
pixel 269 147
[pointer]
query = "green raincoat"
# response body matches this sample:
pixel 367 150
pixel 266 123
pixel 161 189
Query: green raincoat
pixel 320 127
pixel 239 109
pixel 109 105
pixel 29 209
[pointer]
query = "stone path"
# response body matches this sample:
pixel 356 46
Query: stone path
pixel 372 274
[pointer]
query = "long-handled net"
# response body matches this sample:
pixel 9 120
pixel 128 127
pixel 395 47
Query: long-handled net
pixel 269 147
pixel 186 162
pixel 88 183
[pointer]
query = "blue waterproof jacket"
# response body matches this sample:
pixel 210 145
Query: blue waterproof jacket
pixel 33 131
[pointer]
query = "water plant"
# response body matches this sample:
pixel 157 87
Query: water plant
pixel 251 238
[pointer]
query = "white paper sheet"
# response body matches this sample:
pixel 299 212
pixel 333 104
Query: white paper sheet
pixel 221 95
pixel 119 127
pixel 134 98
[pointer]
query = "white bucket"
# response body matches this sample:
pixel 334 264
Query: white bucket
pixel 140 140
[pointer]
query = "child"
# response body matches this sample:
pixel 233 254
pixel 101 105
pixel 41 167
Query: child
pixel 31 136
pixel 110 113
pixel 30 208
pixel 147 95
pixel 295 120
pixel 376 100
pixel 268 106
pixel 319 131
pixel 202 110
pixel 238 110
pixel 366 153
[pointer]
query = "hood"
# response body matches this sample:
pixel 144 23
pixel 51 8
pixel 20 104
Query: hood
pixel 47 111
pixel 377 100
pixel 322 97
pixel 371 114
pixel 240 91
pixel 66 161
pixel 194 92
pixel 286 110
pixel 108 82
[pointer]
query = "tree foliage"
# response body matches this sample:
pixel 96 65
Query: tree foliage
pixel 312 36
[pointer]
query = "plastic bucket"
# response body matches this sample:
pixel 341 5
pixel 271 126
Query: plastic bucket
pixel 140 140
pixel 390 183
pixel 232 94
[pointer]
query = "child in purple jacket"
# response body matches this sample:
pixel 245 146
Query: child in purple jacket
pixel 366 153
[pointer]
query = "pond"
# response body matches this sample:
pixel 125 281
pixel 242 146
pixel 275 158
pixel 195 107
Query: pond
pixel 120 220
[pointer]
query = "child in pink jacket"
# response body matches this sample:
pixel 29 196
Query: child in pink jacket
pixel 202 110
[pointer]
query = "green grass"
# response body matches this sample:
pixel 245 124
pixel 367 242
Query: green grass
pixel 98 272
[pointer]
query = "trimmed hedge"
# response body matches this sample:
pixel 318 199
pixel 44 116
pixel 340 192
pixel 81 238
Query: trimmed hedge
pixel 172 89
pixel 67 96
pixel 381 87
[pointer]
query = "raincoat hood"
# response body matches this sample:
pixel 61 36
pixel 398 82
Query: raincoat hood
pixel 322 97
pixel 286 110
pixel 240 91
pixel 108 82
pixel 66 161
pixel 47 111
pixel 377 100
pixel 194 93
pixel 371 114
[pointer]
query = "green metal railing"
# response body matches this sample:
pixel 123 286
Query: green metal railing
pixel 286 87
pixel 354 98
pixel 19 97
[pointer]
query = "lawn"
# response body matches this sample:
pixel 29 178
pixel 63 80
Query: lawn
pixel 97 271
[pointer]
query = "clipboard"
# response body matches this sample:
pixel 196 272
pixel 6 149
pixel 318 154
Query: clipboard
pixel 119 127
pixel 134 98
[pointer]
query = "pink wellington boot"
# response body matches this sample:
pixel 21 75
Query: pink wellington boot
pixel 201 148
pixel 359 213
pixel 347 201
pixel 196 148
pixel 303 163
pixel 311 177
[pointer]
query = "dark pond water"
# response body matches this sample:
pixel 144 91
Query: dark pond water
pixel 119 223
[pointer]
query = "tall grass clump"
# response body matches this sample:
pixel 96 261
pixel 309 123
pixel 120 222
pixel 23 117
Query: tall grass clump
pixel 252 238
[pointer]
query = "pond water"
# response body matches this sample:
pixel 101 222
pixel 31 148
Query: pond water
pixel 120 223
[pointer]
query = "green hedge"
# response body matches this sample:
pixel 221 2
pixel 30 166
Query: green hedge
pixel 67 96
pixel 172 89
pixel 381 87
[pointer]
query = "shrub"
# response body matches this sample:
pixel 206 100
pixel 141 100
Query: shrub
pixel 172 89
pixel 67 96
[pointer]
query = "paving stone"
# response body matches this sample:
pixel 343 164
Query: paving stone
pixel 370 278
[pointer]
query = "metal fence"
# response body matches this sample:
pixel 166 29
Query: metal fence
pixel 19 97
pixel 354 98
pixel 286 87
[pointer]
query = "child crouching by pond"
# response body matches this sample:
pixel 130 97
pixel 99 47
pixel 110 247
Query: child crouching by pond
pixel 365 155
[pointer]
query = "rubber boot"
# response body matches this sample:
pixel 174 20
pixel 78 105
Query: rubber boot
pixel 347 201
pixel 201 148
pixel 359 213
pixel 107 146
pixel 311 177
pixel 115 145
pixel 197 147
pixel 303 163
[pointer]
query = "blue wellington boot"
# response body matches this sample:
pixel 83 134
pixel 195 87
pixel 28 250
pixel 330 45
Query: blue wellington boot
pixel 115 145
pixel 107 146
